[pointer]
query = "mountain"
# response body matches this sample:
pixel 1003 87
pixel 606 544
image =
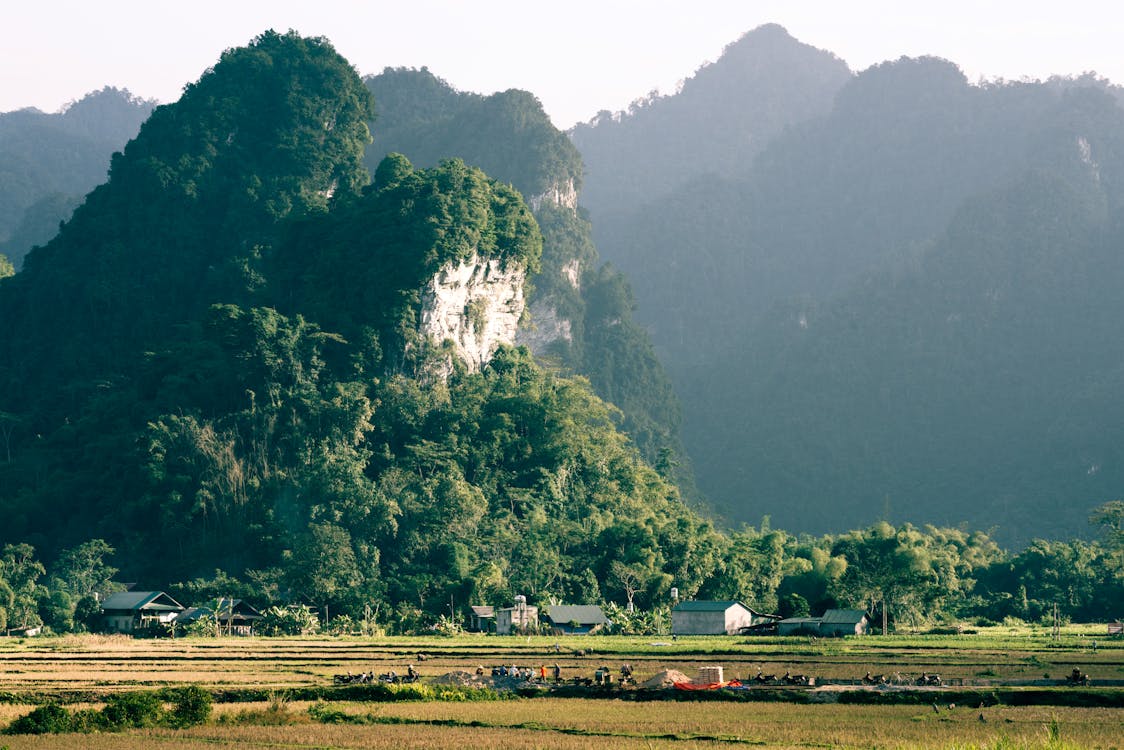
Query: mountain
pixel 49 161
pixel 751 282
pixel 247 358
pixel 714 125
pixel 580 314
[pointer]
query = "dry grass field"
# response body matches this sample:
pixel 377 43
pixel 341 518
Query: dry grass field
pixel 87 668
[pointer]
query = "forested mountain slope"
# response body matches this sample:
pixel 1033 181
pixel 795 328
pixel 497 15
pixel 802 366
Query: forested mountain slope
pixel 581 312
pixel 221 363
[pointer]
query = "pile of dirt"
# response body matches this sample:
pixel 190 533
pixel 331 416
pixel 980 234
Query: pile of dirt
pixel 463 679
pixel 665 679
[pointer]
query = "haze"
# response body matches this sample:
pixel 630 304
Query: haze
pixel 578 57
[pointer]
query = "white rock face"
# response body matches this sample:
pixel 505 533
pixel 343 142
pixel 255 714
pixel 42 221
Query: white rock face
pixel 564 194
pixel 476 305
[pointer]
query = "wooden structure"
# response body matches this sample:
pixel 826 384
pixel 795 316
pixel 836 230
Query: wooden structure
pixel 130 611
pixel 482 619
pixel 575 619
pixel 231 616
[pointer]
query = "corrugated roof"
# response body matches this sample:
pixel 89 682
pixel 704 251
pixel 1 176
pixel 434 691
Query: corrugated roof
pixel 483 611
pixel 583 614
pixel 701 605
pixel 843 616
pixel 134 600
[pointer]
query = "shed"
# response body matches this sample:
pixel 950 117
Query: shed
pixel 482 619
pixel 844 622
pixel 575 619
pixel 799 626
pixel 129 611
pixel 235 616
pixel 700 617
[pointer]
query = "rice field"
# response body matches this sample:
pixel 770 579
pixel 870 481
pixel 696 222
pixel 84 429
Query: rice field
pixel 83 670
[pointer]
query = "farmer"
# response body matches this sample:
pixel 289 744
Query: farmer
pixel 557 673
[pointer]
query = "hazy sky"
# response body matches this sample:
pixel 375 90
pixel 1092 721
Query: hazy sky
pixel 577 56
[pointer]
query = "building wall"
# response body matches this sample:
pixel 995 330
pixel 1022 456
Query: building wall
pixel 698 623
pixel 510 619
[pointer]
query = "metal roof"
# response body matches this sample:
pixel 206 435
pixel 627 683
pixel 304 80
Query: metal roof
pixel 583 614
pixel 843 616
pixel 153 601
pixel 483 610
pixel 702 605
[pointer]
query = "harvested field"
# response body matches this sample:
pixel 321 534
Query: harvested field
pixel 840 713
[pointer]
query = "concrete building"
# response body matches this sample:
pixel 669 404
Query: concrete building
pixel 521 618
pixel 699 617
pixel 839 622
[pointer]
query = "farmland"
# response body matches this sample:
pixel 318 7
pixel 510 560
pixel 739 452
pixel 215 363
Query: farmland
pixel 264 690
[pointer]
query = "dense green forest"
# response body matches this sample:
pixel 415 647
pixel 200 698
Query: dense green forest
pixel 900 309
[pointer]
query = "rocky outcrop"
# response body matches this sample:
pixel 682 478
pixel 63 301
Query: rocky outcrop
pixel 477 305
pixel 563 194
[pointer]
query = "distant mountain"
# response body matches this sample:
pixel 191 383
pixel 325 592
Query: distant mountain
pixel 834 210
pixel 49 161
pixel 716 124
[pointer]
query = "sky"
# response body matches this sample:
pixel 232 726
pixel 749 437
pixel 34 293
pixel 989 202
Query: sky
pixel 578 56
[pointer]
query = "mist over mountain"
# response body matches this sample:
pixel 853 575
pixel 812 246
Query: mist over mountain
pixel 49 161
pixel 801 304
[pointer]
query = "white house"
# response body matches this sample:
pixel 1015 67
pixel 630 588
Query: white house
pixel 129 611
pixel 699 617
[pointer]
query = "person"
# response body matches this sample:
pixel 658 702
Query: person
pixel 626 672
pixel 542 673
pixel 411 673
pixel 557 673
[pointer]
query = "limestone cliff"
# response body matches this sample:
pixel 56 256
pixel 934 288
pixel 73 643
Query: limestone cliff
pixel 476 304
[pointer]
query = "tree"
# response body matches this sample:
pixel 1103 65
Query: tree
pixel 6 267
pixel 82 571
pixel 20 571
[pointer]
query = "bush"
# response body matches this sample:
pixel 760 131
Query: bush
pixel 126 710
pixel 49 719
pixel 190 706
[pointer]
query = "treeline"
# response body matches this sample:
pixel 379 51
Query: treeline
pixel 918 577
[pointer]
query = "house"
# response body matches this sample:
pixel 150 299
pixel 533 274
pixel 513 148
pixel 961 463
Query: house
pixel 520 618
pixel 482 619
pixel 235 616
pixel 700 617
pixel 839 622
pixel 799 626
pixel 575 619
pixel 130 611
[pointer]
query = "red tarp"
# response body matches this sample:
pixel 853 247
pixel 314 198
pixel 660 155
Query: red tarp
pixel 710 686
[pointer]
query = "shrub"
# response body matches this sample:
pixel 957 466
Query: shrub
pixel 190 706
pixel 49 719
pixel 126 710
